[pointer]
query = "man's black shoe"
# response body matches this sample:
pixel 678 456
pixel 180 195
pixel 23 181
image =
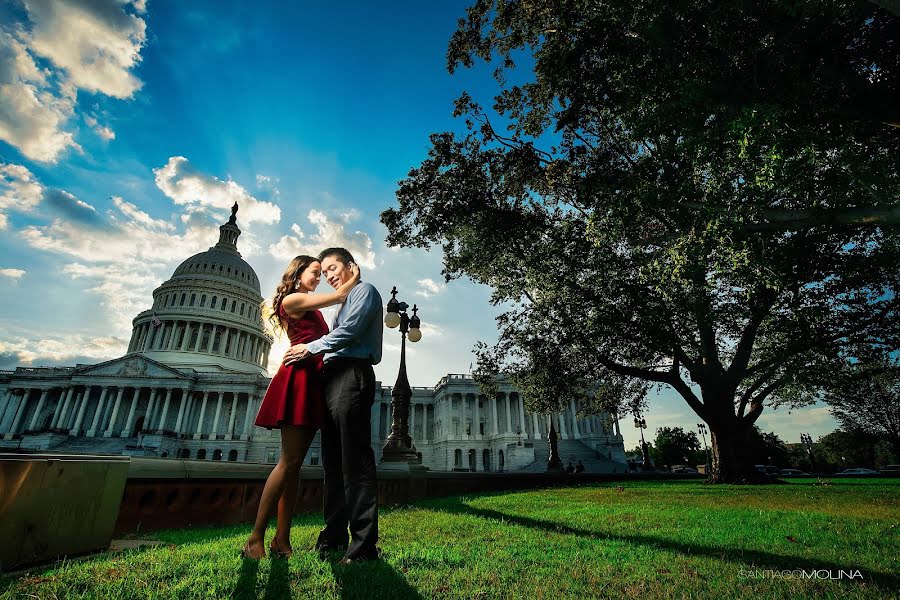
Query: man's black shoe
pixel 358 559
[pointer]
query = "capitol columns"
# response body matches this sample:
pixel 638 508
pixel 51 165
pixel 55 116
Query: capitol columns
pixel 37 411
pixel 181 407
pixel 214 433
pixel 62 408
pixel 234 402
pixel 95 423
pixel 251 402
pixel 165 412
pixel 79 419
pixel 126 430
pixel 115 412
pixel 199 431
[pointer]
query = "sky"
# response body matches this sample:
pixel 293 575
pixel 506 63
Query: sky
pixel 129 128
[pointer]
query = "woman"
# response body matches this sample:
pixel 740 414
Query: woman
pixel 294 402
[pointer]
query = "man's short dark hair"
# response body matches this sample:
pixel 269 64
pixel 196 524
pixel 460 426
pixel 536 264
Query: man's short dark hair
pixel 342 254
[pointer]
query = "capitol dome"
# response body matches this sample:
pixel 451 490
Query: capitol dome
pixel 207 315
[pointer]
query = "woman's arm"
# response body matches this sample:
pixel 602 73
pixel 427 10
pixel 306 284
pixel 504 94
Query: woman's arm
pixel 297 304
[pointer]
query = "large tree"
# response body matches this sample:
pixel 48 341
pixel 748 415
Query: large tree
pixel 696 195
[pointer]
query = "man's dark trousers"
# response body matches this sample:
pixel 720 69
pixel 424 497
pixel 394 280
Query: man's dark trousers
pixel 351 487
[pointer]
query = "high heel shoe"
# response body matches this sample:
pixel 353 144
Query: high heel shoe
pixel 276 551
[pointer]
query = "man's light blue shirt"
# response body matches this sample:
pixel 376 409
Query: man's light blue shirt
pixel 357 328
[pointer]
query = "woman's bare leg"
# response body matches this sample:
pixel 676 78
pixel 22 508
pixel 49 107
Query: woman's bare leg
pixel 295 443
pixel 292 441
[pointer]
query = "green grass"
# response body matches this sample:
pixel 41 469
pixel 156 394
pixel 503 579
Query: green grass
pixel 638 540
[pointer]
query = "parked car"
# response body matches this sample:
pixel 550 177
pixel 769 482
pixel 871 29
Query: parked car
pixel 767 469
pixel 891 470
pixel 858 471
pixel 684 469
pixel 792 472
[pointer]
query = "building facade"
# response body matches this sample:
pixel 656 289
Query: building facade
pixel 194 374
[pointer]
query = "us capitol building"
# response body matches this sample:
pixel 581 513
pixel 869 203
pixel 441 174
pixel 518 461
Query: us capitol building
pixel 194 374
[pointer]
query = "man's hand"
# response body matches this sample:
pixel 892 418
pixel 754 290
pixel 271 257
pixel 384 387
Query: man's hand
pixel 295 354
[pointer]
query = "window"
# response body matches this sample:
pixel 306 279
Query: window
pixel 213 303
pixel 224 304
pixel 233 305
pixel 242 309
pixel 193 299
pixel 457 458
pixel 202 300
pixel 217 455
pixel 183 296
pixel 232 455
pixel 201 454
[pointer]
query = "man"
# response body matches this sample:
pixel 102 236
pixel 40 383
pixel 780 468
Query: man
pixel 352 347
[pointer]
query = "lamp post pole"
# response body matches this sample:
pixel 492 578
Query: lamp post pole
pixel 399 446
pixel 702 428
pixel 641 424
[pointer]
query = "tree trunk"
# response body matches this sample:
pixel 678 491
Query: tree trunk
pixel 731 462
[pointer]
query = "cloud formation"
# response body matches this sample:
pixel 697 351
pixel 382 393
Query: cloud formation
pixel 90 45
pixel 328 233
pixel 13 274
pixel 58 350
pixel 199 192
pixel 19 190
pixel 429 288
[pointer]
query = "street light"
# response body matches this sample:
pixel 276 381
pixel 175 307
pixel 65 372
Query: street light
pixel 399 445
pixel 641 424
pixel 702 428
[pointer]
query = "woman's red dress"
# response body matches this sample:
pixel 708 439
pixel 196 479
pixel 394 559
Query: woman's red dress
pixel 295 394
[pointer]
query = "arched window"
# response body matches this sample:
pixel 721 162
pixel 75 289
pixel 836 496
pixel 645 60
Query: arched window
pixel 457 459
pixel 224 304
pixel 232 455
pixel 193 299
pixel 217 455
pixel 183 296
pixel 500 461
pixel 201 454
pixel 242 309
pixel 202 300
pixel 213 303
pixel 185 453
pixel 233 305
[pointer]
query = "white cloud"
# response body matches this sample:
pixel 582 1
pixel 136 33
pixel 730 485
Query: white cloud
pixel 32 108
pixel 199 192
pixel 59 349
pixel 266 182
pixel 19 190
pixel 13 274
pixel 328 234
pixel 90 45
pixel 96 42
pixel 429 288
pixel 133 213
pixel 103 131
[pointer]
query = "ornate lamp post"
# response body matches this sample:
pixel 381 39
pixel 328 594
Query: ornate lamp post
pixel 641 424
pixel 807 442
pixel 703 430
pixel 553 463
pixel 399 446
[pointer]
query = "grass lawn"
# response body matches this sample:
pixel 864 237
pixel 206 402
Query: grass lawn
pixel 634 540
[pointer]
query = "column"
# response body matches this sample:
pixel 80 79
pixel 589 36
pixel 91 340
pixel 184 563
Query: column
pixel 160 426
pixel 68 421
pixel 152 409
pixel 129 421
pixel 20 414
pixel 494 428
pixel 575 433
pixel 95 422
pixel 200 328
pixel 224 343
pixel 212 339
pixel 522 414
pixel 476 422
pixel 214 430
pixel 412 420
pixel 199 430
pixel 535 432
pixel 245 432
pixel 178 421
pixel 230 433
pixel 187 336
pixel 508 415
pixel 115 413
pixel 79 418
pixel 6 398
pixel 62 407
pixel 37 411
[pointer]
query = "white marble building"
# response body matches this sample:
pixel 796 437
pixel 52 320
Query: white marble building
pixel 194 374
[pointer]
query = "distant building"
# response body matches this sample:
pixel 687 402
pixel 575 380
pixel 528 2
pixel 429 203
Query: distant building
pixel 194 375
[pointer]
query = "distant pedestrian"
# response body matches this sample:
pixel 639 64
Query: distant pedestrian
pixel 579 468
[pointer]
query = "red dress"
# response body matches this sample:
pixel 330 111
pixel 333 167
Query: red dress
pixel 295 394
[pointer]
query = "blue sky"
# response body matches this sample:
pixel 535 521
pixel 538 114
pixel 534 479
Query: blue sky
pixel 127 130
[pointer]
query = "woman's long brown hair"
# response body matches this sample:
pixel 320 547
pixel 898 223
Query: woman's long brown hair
pixel 288 284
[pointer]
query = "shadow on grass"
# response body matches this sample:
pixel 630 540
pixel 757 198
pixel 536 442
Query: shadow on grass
pixel 372 580
pixel 279 584
pixel 756 558
pixel 246 583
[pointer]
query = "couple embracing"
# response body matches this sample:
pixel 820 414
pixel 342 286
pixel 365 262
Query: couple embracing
pixel 325 382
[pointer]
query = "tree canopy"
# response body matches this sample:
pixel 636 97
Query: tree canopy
pixel 701 195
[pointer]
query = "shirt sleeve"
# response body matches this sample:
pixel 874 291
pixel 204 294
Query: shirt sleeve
pixel 359 314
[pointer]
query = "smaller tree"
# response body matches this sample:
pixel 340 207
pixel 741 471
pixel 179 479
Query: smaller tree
pixel 674 446
pixel 867 397
pixel 840 450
